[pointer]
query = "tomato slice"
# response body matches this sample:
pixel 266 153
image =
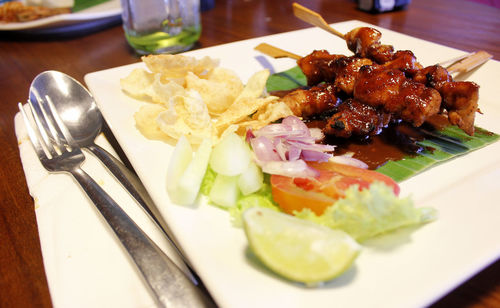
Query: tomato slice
pixel 295 194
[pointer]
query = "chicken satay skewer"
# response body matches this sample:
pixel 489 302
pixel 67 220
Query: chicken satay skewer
pixel 314 19
pixel 341 72
pixel 464 63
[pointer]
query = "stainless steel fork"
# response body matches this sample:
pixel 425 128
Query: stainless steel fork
pixel 57 152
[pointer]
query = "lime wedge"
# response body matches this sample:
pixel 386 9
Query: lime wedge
pixel 297 249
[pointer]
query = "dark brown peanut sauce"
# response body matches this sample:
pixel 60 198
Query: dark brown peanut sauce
pixel 395 142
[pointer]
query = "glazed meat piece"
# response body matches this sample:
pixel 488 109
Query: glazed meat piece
pixel 321 66
pixel 360 39
pixel 380 53
pixel 347 70
pixel 392 91
pixel 432 76
pixel 317 66
pixel 405 61
pixel 316 100
pixel 365 42
pixel 460 98
pixel 355 118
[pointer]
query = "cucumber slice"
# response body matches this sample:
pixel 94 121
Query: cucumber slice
pixel 251 180
pixel 231 156
pixel 185 172
pixel 225 191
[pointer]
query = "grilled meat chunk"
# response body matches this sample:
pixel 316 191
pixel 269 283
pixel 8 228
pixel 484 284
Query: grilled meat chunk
pixel 460 98
pixel 392 91
pixel 354 118
pixel 317 66
pixel 321 66
pixel 360 39
pixel 316 100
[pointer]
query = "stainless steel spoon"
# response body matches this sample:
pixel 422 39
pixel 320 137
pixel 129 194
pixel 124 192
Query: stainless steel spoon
pixel 79 112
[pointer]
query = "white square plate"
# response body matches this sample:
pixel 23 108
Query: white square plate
pixel 410 268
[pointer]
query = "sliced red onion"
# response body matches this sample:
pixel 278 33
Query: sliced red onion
pixel 294 153
pixel 264 149
pixel 294 123
pixel 278 130
pixel 315 156
pixel 296 168
pixel 283 148
pixel 312 146
pixel 347 160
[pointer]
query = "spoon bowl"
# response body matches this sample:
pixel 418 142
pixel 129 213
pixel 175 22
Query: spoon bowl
pixel 74 103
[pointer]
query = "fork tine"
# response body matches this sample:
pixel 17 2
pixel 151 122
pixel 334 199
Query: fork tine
pixel 48 118
pixel 36 109
pixel 65 135
pixel 32 134
pixel 42 125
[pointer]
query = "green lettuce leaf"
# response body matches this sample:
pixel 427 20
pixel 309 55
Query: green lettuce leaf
pixel 261 198
pixel 370 212
pixel 208 181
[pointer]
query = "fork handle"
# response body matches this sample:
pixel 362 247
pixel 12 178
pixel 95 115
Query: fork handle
pixel 171 287
pixel 136 189
pixel 128 180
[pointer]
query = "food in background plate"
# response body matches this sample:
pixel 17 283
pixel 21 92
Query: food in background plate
pixel 19 12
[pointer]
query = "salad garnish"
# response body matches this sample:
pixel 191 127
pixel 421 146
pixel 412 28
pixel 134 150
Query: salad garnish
pixel 278 169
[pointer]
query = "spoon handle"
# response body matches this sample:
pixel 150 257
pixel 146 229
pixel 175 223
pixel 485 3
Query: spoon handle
pixel 137 190
pixel 168 283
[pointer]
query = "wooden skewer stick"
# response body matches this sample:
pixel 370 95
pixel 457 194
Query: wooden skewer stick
pixel 275 52
pixel 449 62
pixel 313 18
pixel 469 62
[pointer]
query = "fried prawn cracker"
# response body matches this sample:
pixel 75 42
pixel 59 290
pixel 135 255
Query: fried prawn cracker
pixel 186 115
pixel 138 83
pixel 145 122
pixel 268 114
pixel 247 103
pixel 239 112
pixel 175 67
pixel 218 90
